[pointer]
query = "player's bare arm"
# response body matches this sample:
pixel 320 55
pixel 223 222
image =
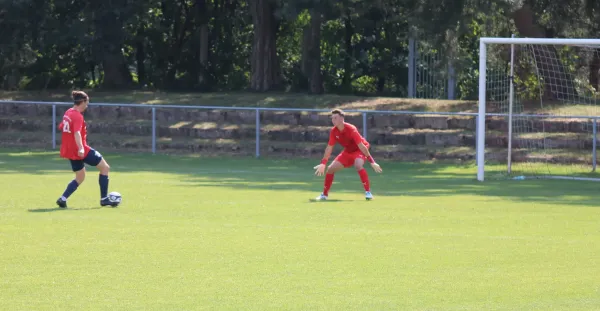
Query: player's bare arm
pixel 79 143
pixel 366 152
pixel 320 169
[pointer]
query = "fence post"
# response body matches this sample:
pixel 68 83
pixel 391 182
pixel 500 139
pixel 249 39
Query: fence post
pixel 411 67
pixel 153 130
pixel 476 131
pixel 364 117
pixel 451 81
pixel 257 132
pixel 595 138
pixel 53 126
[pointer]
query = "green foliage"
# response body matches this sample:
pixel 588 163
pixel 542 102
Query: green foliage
pixel 364 44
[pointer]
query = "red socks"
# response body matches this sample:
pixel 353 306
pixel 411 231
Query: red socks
pixel 328 182
pixel 364 178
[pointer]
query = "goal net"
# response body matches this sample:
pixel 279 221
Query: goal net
pixel 538 104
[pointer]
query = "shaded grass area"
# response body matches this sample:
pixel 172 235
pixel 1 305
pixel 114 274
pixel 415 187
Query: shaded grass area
pixel 442 177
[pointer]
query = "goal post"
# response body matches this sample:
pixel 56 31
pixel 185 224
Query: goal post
pixel 540 96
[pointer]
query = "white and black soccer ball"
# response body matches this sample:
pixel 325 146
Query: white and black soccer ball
pixel 115 197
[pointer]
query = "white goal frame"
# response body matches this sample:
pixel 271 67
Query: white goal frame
pixel 483 43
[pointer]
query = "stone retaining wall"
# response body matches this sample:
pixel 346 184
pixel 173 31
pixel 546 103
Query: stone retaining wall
pixel 437 132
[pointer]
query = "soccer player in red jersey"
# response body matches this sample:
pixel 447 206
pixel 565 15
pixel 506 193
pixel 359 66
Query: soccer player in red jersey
pixel 74 147
pixel 356 151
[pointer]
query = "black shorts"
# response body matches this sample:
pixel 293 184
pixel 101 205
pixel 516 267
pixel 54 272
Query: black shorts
pixel 93 158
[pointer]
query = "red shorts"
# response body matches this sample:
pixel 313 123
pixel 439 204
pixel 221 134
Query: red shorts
pixel 347 158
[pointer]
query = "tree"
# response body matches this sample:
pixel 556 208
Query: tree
pixel 266 73
pixel 203 14
pixel 313 68
pixel 548 62
pixel 108 19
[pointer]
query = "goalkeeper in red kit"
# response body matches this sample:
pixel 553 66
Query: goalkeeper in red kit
pixel 74 147
pixel 356 151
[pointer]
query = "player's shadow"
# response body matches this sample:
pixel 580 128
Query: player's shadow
pixel 399 179
pixel 329 201
pixel 58 209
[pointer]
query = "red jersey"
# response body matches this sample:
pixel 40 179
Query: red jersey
pixel 349 137
pixel 73 122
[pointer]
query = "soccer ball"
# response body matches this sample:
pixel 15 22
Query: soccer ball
pixel 115 197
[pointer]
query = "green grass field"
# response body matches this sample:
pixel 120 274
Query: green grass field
pixel 242 234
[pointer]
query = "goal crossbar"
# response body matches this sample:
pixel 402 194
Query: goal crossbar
pixel 483 42
pixel 560 41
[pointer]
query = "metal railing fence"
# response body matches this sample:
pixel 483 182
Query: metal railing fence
pixel 258 110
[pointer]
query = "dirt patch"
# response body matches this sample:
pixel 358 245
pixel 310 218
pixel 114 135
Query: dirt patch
pixel 243 99
pixel 411 104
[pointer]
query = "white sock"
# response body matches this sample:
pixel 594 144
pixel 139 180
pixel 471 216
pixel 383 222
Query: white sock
pixel 63 198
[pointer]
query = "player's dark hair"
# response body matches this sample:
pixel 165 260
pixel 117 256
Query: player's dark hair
pixel 79 97
pixel 337 111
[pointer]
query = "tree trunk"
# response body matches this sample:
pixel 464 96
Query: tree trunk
pixel 305 61
pixel 204 48
pixel 315 77
pixel 385 62
pixel 306 36
pixel 381 84
pixel 12 80
pixel 174 44
pixel 525 22
pixel 140 57
pixel 116 74
pixel 348 32
pixel 109 44
pixel 558 83
pixel 204 41
pixel 92 72
pixel 264 61
pixel 594 68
